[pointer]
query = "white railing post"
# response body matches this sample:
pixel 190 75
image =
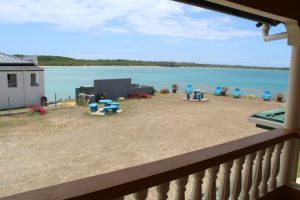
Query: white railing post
pixel 197 186
pixel 247 177
pixel 211 189
pixel 224 189
pixel 289 162
pixel 142 195
pixel 180 188
pixel 275 167
pixel 254 191
pixel 236 183
pixel 263 188
pixel 162 191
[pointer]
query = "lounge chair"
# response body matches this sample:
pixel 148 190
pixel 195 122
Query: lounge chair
pixel 267 96
pixel 236 93
pixel 218 91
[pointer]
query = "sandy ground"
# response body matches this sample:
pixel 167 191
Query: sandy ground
pixel 69 144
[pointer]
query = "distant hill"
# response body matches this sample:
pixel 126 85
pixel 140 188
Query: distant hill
pixel 66 61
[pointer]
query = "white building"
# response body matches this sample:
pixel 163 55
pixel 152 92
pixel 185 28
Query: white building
pixel 21 82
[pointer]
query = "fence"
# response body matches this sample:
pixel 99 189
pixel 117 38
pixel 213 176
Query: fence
pixel 57 103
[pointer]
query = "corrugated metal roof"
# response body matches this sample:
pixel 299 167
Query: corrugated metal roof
pixel 20 68
pixel 7 59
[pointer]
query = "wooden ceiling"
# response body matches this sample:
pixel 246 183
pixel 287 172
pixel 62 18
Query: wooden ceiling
pixel 284 8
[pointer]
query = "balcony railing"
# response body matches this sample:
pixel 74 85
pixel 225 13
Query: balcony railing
pixel 247 168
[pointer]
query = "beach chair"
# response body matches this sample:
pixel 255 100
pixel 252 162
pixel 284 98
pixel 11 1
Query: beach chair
pixel 218 91
pixel 188 90
pixel 267 96
pixel 236 93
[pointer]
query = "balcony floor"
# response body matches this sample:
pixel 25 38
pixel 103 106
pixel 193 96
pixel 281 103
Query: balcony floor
pixel 282 193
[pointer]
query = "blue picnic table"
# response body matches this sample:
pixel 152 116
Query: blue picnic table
pixel 113 108
pixel 105 101
pixel 198 94
pixel 109 105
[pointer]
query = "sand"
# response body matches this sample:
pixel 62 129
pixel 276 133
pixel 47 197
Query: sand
pixel 70 144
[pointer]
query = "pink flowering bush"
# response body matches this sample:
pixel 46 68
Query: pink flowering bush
pixel 138 95
pixel 38 109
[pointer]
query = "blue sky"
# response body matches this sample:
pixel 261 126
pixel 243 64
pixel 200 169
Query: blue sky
pixel 134 29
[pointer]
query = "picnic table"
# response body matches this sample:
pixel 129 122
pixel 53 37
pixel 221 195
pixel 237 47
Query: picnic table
pixel 105 101
pixel 198 94
pixel 113 108
pixel 113 104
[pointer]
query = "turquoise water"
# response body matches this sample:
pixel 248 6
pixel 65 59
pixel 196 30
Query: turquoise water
pixel 64 80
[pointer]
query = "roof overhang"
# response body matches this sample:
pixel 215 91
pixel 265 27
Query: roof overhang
pixel 231 10
pixel 263 11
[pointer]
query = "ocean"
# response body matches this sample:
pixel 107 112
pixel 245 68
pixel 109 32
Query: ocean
pixel 62 81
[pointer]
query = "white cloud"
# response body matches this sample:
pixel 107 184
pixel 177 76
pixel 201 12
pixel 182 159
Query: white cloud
pixel 151 17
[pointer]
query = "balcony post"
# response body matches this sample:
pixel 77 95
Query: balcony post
pixel 290 154
pixel 292 114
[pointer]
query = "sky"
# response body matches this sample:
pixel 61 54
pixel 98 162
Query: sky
pixel 160 30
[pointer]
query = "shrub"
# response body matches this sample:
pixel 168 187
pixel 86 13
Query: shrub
pixel 37 109
pixel 138 95
pixel 164 91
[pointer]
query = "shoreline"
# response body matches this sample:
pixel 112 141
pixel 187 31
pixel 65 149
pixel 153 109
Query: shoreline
pixel 48 60
pixel 201 67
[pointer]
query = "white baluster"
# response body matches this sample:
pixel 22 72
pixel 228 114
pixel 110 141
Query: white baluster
pixel 142 195
pixel 254 191
pixel 247 177
pixel 197 186
pixel 210 191
pixel 289 160
pixel 162 191
pixel 272 184
pixel 235 188
pixel 224 189
pixel 263 188
pixel 180 188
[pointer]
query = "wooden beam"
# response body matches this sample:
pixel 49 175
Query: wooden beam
pixel 231 11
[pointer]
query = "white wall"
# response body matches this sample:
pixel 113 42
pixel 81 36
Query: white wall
pixel 33 94
pixel 24 95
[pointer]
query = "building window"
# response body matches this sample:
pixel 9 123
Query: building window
pixel 12 80
pixel 34 79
